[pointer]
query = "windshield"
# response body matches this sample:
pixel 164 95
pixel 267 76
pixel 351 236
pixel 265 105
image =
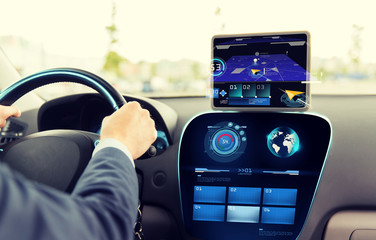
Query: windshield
pixel 163 47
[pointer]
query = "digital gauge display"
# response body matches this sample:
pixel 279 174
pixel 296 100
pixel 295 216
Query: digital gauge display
pixel 225 141
pixel 250 175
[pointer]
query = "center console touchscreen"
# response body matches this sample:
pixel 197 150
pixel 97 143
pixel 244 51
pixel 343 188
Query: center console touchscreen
pixel 250 175
pixel 261 71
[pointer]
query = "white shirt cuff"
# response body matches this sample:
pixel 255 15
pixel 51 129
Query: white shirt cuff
pixel 110 142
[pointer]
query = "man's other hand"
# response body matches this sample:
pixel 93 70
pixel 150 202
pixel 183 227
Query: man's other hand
pixel 7 112
pixel 132 126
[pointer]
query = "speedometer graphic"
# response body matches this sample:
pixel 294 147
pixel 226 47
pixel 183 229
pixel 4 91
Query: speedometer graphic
pixel 225 142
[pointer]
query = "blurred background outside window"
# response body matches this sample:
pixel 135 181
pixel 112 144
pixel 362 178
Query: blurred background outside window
pixel 163 48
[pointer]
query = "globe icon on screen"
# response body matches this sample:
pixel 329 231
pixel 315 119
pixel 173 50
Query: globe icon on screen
pixel 283 142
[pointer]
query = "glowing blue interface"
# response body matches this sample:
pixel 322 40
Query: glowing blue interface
pixel 268 67
pixel 207 194
pixel 260 71
pixel 244 195
pixel 250 101
pixel 277 215
pixel 280 196
pixel 204 212
pixel 250 175
pixel 243 214
pixel 243 204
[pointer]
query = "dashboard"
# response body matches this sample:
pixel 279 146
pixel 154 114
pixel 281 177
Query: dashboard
pixel 343 198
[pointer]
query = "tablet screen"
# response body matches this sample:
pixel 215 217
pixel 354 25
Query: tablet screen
pixel 261 71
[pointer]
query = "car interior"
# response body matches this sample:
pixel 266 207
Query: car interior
pixel 260 155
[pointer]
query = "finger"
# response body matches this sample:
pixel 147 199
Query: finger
pixel 155 134
pixel 133 105
pixel 105 119
pixel 145 113
pixel 2 123
pixel 10 111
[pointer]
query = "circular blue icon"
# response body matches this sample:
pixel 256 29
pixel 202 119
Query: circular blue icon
pixel 283 142
pixel 225 142
pixel 218 67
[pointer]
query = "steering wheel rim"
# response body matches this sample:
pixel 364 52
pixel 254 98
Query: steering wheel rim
pixel 25 85
pixel 56 157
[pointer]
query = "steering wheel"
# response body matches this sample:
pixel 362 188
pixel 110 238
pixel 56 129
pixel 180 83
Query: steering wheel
pixel 55 157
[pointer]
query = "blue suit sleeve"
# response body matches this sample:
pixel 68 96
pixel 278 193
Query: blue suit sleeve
pixel 103 204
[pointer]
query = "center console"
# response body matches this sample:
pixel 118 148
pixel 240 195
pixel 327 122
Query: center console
pixel 250 175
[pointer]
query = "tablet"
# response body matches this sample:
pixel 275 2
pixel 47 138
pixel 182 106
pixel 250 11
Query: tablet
pixel 263 71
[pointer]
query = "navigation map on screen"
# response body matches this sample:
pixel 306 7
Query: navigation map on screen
pixel 273 67
pixel 267 71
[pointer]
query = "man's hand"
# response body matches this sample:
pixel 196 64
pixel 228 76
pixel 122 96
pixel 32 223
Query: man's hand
pixel 132 126
pixel 7 112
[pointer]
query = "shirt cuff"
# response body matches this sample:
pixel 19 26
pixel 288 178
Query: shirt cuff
pixel 110 142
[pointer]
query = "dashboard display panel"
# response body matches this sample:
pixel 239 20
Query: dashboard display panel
pixel 250 175
pixel 261 71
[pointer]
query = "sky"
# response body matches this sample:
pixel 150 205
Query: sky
pixel 174 29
